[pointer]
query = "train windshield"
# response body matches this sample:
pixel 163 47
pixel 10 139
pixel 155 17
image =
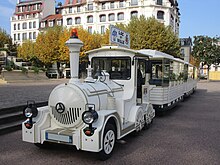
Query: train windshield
pixel 117 67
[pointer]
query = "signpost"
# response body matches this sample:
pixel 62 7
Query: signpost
pixel 119 37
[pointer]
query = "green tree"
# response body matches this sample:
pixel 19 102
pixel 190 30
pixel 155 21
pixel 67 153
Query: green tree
pixel 206 50
pixel 151 34
pixel 6 39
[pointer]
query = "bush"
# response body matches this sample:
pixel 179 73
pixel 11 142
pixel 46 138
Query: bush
pixel 36 70
pixel 8 68
pixel 24 70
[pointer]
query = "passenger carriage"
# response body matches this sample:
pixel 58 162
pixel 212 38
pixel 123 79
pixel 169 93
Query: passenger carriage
pixel 170 78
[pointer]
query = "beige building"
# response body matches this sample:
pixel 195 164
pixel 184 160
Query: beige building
pixel 27 16
pixel 97 15
pixel 31 16
pixel 186 48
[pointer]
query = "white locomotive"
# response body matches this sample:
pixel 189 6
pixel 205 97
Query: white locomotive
pixel 112 102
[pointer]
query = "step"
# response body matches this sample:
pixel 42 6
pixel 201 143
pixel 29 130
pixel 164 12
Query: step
pixel 10 127
pixel 11 117
pixel 19 108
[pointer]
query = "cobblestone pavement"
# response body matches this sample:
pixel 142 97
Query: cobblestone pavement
pixel 15 94
pixel 188 135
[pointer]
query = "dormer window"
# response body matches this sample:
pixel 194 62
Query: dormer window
pixel 42 24
pixel 78 9
pixel 50 23
pixel 38 6
pixel 159 2
pixel 70 9
pixel 34 7
pixel 23 8
pixel 121 4
pixel 59 22
pixel 134 2
pixel 90 7
pixel 103 6
pixel 19 9
pixel 28 8
pixel 112 5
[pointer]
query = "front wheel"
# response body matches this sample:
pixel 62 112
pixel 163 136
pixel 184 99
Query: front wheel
pixel 43 146
pixel 109 139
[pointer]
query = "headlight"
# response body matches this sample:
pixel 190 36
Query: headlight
pixel 28 112
pixel 89 117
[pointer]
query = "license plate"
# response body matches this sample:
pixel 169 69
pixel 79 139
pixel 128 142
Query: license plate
pixel 60 138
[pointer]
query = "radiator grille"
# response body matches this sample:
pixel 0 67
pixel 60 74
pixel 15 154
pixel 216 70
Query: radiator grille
pixel 71 116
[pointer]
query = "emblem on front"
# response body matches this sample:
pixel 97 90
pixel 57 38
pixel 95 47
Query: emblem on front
pixel 60 108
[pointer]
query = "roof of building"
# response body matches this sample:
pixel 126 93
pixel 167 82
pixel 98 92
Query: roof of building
pixel 186 41
pixel 23 2
pixel 52 17
pixel 74 3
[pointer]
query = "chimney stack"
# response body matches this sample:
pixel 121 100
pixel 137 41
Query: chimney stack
pixel 74 45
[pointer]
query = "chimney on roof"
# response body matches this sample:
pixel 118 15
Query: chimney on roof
pixel 18 1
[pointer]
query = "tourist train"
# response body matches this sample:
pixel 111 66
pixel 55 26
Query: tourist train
pixel 122 90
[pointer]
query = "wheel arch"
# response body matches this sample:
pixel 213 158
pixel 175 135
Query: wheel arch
pixel 114 121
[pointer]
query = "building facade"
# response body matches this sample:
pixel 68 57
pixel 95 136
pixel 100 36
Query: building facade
pixel 27 16
pixel 97 15
pixel 31 16
pixel 186 48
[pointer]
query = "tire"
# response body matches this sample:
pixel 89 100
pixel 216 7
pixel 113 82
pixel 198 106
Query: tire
pixel 109 138
pixel 42 146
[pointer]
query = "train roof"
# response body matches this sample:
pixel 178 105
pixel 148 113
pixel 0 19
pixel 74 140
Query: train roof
pixel 179 60
pixel 118 48
pixel 156 54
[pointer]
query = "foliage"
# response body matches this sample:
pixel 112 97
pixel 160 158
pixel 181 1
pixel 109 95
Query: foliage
pixel 151 34
pixel 8 68
pixel 26 51
pixel 36 69
pixel 206 50
pixel 63 49
pixel 6 39
pixel 90 41
pixel 24 70
pixel 47 45
pixel 173 77
pixel 50 46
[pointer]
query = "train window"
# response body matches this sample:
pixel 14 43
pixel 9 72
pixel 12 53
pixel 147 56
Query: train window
pixel 118 68
pixel 160 73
